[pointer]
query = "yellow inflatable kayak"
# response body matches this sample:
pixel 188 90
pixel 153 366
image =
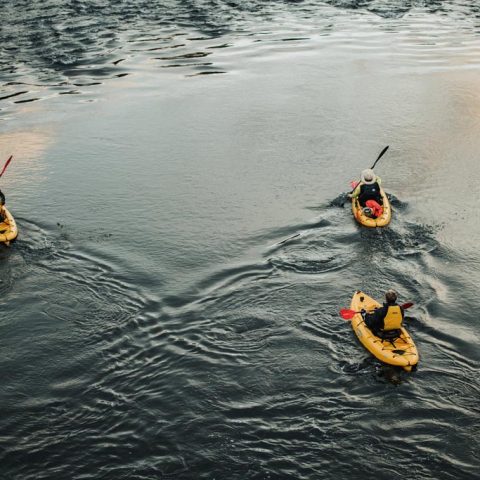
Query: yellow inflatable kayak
pixel 400 352
pixel 380 221
pixel 8 227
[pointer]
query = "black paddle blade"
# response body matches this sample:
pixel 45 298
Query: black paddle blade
pixel 380 156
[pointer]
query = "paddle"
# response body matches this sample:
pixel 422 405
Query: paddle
pixel 2 196
pixel 348 314
pixel 6 164
pixel 379 157
pixel 376 161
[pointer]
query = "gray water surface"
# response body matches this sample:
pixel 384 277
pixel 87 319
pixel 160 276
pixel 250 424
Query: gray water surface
pixel 170 308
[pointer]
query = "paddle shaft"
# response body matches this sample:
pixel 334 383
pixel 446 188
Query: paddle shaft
pixel 6 165
pixel 376 161
pixel 348 314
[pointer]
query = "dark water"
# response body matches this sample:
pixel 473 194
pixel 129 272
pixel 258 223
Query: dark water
pixel 170 309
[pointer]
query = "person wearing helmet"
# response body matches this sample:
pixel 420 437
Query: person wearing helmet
pixel 386 321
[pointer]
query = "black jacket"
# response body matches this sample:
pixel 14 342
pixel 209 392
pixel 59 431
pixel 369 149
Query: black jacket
pixel 374 320
pixel 370 192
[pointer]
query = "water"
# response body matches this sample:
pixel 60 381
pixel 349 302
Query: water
pixel 170 309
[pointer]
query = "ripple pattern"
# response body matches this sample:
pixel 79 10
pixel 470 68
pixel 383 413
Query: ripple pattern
pixel 72 48
pixel 246 372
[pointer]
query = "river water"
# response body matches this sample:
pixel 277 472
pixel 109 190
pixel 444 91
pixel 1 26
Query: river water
pixel 170 308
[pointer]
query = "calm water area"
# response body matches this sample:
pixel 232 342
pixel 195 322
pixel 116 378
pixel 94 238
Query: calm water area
pixel 170 307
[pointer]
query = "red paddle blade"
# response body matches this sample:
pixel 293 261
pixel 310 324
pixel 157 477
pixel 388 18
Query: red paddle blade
pixel 354 184
pixel 347 314
pixel 407 305
pixel 6 164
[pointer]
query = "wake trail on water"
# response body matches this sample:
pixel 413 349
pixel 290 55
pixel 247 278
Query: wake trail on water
pixel 280 318
pixel 257 348
pixel 212 347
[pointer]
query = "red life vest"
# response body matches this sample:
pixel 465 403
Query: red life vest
pixel 376 208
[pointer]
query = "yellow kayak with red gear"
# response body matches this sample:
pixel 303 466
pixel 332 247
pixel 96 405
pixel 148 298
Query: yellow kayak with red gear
pixel 400 351
pixel 368 221
pixel 8 226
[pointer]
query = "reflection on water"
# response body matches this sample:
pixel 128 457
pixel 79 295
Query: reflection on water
pixel 52 48
pixel 28 144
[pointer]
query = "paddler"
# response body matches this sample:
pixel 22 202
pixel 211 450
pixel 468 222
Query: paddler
pixel 368 193
pixel 2 203
pixel 386 321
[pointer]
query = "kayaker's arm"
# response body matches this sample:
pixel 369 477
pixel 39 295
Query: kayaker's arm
pixel 356 192
pixel 375 322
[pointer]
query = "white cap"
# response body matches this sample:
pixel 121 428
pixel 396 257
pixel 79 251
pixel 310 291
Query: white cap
pixel 368 176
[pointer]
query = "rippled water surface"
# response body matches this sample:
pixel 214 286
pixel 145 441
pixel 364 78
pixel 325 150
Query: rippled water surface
pixel 170 308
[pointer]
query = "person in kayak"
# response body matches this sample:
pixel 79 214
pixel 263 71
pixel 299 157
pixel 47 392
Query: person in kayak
pixel 368 193
pixel 386 321
pixel 2 203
